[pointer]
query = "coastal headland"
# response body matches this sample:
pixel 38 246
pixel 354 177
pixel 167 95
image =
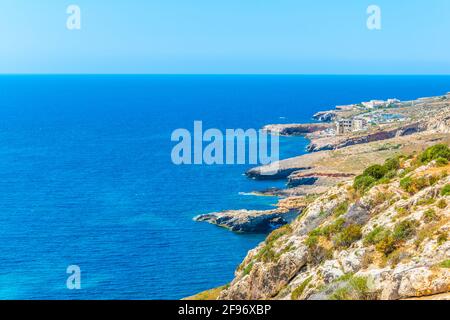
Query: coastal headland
pixel 367 210
pixel 391 127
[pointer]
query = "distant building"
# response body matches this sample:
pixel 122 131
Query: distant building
pixel 344 126
pixel 359 124
pixel 392 101
pixel 348 125
pixel 374 104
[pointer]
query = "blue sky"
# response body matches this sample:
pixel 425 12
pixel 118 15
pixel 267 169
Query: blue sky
pixel 233 36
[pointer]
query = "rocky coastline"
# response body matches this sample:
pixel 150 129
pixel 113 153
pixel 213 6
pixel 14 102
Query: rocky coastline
pixel 334 159
pixel 334 239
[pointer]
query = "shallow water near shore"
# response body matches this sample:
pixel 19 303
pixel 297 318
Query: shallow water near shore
pixel 86 176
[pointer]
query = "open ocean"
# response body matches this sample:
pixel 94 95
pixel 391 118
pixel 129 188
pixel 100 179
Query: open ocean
pixel 86 176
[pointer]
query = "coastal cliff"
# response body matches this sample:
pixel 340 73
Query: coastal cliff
pixel 384 235
pixel 377 232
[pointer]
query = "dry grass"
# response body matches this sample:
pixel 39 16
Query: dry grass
pixel 211 294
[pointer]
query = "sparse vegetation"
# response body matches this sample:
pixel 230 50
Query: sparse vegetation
pixel 356 288
pixel 430 215
pixel 401 211
pixel 348 235
pixel 413 185
pixel 267 253
pixel 374 236
pixel 405 230
pixel 248 268
pixel 445 190
pixel 442 238
pixel 299 290
pixel 445 264
pixel 341 209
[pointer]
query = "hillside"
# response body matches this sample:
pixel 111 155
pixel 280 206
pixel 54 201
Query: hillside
pixel 383 235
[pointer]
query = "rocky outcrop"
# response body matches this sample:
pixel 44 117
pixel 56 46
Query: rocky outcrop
pixel 300 178
pixel 265 173
pixel 325 116
pixel 440 123
pixel 249 221
pixel 295 129
pixel 338 142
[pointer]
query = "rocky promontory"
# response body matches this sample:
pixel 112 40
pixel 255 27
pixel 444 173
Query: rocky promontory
pixel 372 216
pixel 249 221
pixel 295 129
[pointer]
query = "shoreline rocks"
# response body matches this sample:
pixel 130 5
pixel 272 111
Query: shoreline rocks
pixel 250 221
pixel 325 116
pixel 295 129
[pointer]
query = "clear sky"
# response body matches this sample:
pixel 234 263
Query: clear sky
pixel 225 36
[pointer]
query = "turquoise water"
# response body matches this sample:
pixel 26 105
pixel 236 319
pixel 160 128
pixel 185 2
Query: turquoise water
pixel 86 176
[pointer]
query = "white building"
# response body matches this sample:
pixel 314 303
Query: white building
pixel 374 104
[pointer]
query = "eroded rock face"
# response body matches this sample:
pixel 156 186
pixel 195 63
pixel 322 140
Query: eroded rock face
pixel 313 258
pixel 325 116
pixel 295 129
pixel 338 142
pixel 249 221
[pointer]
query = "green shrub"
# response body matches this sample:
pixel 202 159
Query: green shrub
pixel 355 289
pixel 267 254
pixel 430 215
pixel 442 204
pixel 392 164
pixel 374 236
pixel 446 190
pixel 341 294
pixel 312 240
pixel 435 152
pixel 442 238
pixel 406 184
pixel 360 286
pixel 445 264
pixel 376 171
pixel 332 228
pixel 404 230
pixel 401 211
pixel 299 290
pixel 248 268
pixel 441 162
pixel 377 174
pixel 414 185
pixel 386 244
pixel 363 183
pixel 341 209
pixel 426 201
pixel 278 233
pixel 348 235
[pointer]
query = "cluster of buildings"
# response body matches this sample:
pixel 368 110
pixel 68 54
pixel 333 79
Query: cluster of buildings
pixel 373 104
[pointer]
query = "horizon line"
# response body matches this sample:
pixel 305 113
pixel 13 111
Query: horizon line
pixel 221 74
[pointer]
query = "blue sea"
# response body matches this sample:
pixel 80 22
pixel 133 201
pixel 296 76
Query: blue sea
pixel 86 176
